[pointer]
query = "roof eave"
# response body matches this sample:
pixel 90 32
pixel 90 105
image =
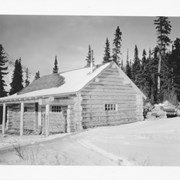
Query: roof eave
pixel 21 99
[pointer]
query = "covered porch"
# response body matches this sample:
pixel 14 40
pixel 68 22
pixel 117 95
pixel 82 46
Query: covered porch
pixel 33 113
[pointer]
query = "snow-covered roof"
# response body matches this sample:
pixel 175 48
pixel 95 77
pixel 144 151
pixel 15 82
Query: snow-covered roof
pixel 75 80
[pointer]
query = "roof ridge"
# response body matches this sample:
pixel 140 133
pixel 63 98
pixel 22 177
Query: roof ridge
pixel 72 70
pixel 98 65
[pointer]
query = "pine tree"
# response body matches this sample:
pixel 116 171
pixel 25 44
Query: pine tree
pixel 163 29
pixel 37 75
pixel 27 78
pixel 17 79
pixel 89 57
pixel 55 69
pixel 117 46
pixel 107 56
pixel 3 69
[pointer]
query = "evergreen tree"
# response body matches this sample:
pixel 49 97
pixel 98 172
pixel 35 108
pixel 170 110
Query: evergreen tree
pixel 174 68
pixel 163 29
pixel 107 56
pixel 147 78
pixel 117 46
pixel 37 75
pixel 27 78
pixel 136 66
pixel 55 69
pixel 3 69
pixel 128 69
pixel 152 76
pixel 150 53
pixel 17 79
pixel 144 57
pixel 89 57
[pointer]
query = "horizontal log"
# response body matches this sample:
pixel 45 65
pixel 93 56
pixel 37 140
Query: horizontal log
pixel 107 101
pixel 119 112
pixel 111 71
pixel 112 91
pixel 107 93
pixel 107 75
pixel 103 97
pixel 63 102
pixel 108 86
pixel 110 114
pixel 109 83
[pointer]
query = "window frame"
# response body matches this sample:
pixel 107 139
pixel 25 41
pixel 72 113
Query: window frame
pixel 111 107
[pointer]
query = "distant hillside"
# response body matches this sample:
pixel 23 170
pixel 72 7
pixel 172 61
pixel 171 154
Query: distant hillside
pixel 8 77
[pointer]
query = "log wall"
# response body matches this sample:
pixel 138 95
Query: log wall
pixel 57 122
pixel 109 88
pixel 139 107
pixel 29 119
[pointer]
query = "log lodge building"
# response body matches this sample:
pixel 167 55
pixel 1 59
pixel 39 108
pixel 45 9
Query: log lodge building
pixel 74 100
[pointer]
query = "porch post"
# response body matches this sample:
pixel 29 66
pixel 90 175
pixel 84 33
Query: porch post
pixel 4 118
pixel 47 120
pixel 68 120
pixel 21 119
pixel 39 115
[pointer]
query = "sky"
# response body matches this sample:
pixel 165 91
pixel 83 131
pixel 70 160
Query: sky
pixel 38 39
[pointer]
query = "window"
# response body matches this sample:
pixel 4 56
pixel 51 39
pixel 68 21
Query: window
pixel 25 109
pixel 56 108
pixel 110 107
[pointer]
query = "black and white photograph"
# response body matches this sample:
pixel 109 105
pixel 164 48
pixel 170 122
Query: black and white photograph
pixel 89 90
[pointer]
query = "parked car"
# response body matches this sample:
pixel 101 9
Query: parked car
pixel 170 109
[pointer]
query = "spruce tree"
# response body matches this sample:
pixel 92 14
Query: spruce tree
pixel 27 78
pixel 107 56
pixel 17 79
pixel 55 69
pixel 117 46
pixel 136 66
pixel 37 75
pixel 144 57
pixel 174 67
pixel 128 69
pixel 163 29
pixel 3 71
pixel 89 57
pixel 145 80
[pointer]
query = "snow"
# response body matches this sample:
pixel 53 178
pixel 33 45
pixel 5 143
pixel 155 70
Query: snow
pixel 144 143
pixel 152 143
pixel 74 81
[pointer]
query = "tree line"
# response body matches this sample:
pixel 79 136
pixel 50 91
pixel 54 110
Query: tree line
pixel 17 77
pixel 156 72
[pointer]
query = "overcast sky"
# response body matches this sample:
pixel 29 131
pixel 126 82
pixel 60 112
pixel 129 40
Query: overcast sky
pixel 37 39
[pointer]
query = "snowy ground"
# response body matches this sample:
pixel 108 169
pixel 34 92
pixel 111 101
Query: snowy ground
pixel 145 143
